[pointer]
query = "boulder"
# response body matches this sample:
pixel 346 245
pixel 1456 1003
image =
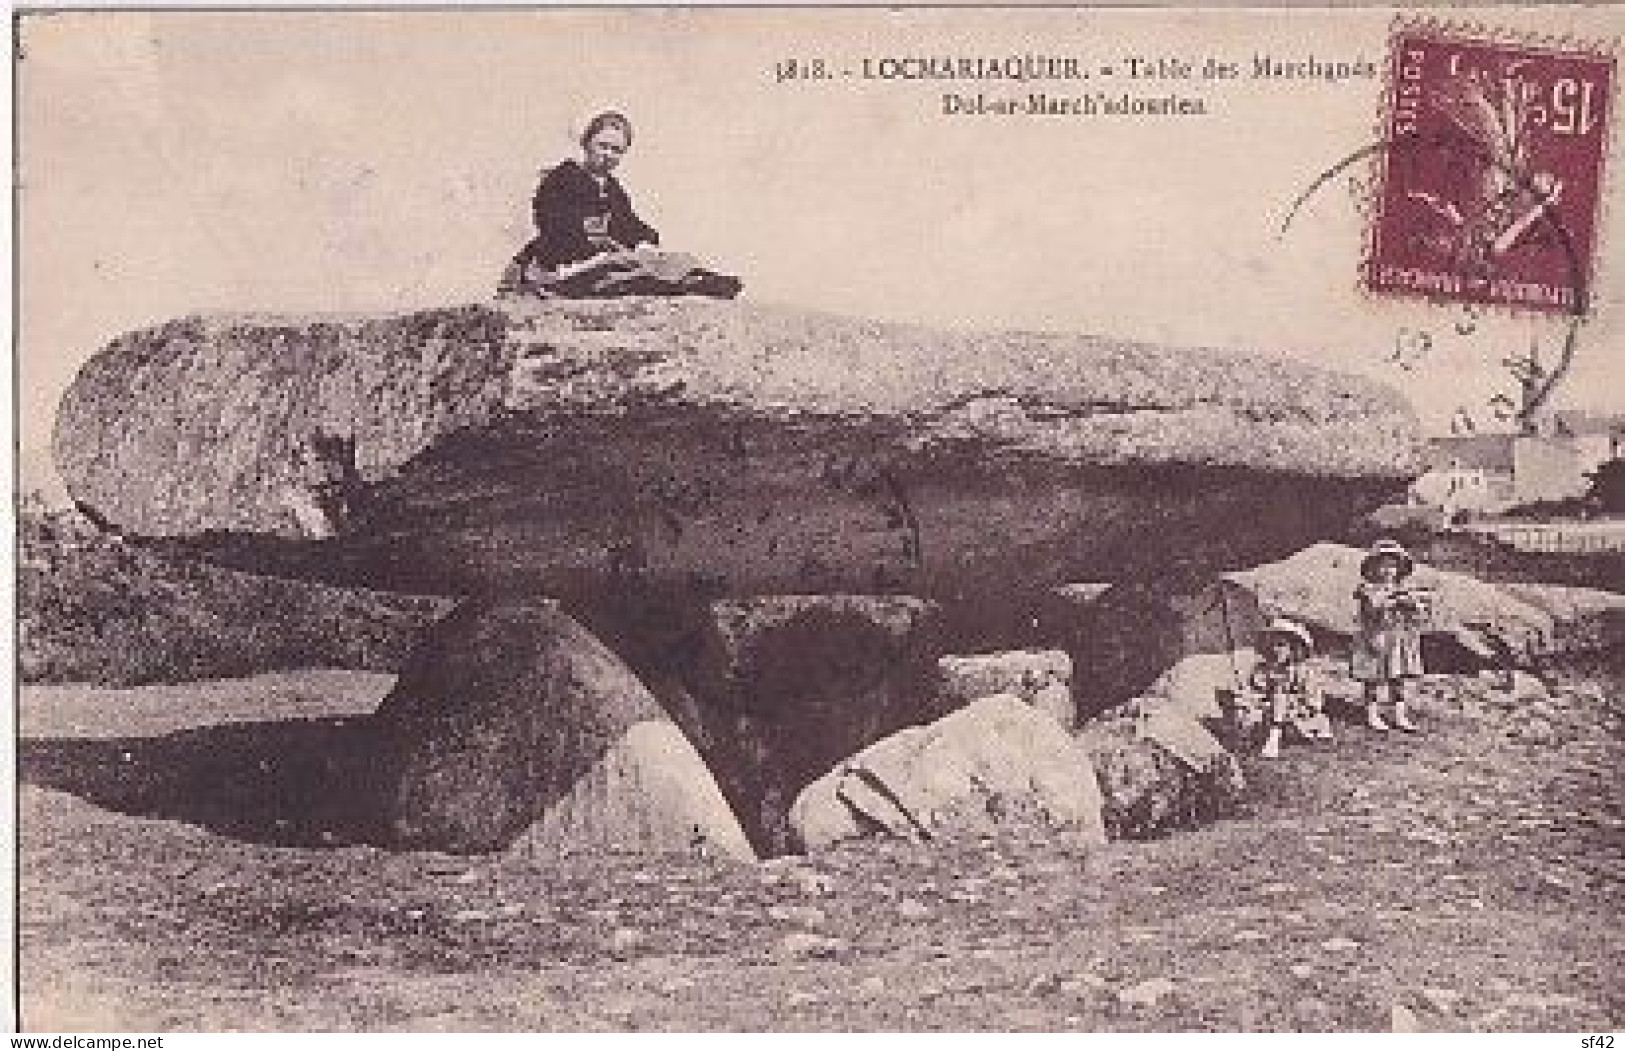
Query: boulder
pixel 997 764
pixel 511 722
pixel 1193 685
pixel 1489 623
pixel 1583 619
pixel 1159 772
pixel 1138 638
pixel 93 608
pixel 1042 678
pixel 650 793
pixel 777 689
pixel 724 448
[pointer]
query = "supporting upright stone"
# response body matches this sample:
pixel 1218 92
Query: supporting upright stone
pixel 513 720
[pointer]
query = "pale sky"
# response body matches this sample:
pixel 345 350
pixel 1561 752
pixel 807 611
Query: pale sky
pixel 183 162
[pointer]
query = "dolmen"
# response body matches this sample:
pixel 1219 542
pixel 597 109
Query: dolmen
pixel 623 479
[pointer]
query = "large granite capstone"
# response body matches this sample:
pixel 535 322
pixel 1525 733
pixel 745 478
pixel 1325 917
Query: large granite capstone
pixel 714 448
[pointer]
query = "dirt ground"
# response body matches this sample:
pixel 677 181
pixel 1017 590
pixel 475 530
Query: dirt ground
pixel 1467 879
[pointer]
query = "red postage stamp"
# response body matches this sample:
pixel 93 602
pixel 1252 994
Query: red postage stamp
pixel 1492 165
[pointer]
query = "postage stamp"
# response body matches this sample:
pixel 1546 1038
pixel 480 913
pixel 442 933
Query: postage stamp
pixel 1491 175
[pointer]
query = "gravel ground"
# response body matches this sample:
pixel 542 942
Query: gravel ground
pixel 1466 879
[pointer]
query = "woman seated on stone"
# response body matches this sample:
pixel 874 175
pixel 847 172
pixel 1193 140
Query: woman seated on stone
pixel 590 242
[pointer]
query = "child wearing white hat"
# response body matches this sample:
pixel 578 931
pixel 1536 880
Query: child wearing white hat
pixel 1387 652
pixel 1280 686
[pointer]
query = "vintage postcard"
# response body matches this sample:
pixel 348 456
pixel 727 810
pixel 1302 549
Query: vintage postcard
pixel 921 519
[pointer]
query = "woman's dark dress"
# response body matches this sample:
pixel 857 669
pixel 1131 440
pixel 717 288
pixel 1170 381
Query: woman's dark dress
pixel 578 218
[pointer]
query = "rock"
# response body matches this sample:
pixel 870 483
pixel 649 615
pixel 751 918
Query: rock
pixel 1535 730
pixel 650 793
pixel 1042 678
pixel 1584 619
pixel 624 941
pixel 1518 684
pixel 997 763
pixel 801 945
pixel 1441 1000
pixel 1339 944
pixel 1191 687
pixel 1160 773
pixel 1169 637
pixel 1084 983
pixel 874 986
pixel 1301 971
pixel 1402 1019
pixel 782 687
pixel 913 910
pixel 801 915
pixel 105 611
pixel 556 447
pixel 513 726
pixel 1044 985
pixel 1475 624
pixel 1145 994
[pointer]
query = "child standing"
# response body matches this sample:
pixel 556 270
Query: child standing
pixel 1387 652
pixel 1281 687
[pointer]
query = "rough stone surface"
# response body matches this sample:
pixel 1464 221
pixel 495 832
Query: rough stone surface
pixel 1159 773
pixel 777 689
pixel 730 446
pixel 651 793
pixel 1042 678
pixel 1137 634
pixel 511 715
pixel 998 763
pixel 1192 686
pixel 1316 587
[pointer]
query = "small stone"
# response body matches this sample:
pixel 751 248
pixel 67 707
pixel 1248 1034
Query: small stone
pixel 801 998
pixel 873 986
pixel 1402 1019
pixel 1441 999
pixel 1083 983
pixel 1145 994
pixel 801 945
pixel 470 916
pixel 1277 888
pixel 1301 971
pixel 1044 985
pixel 913 909
pixel 468 876
pixel 801 915
pixel 415 914
pixel 1156 889
pixel 1339 944
pixel 626 940
pixel 1311 1008
pixel 1251 936
pixel 814 884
